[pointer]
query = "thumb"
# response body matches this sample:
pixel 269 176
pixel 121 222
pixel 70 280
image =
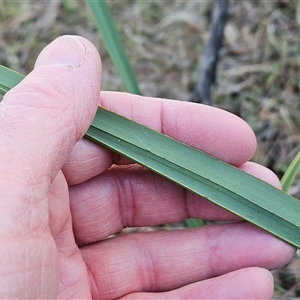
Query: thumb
pixel 51 108
pixel 40 121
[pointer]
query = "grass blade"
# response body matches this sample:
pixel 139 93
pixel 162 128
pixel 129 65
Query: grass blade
pixel 244 195
pixel 112 41
pixel 290 174
pixel 8 79
pixel 252 199
pixel 194 223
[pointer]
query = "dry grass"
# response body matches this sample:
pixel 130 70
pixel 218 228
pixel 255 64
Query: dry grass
pixel 258 72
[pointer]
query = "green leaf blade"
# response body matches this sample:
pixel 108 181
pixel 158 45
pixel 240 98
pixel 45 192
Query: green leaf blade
pixel 291 173
pixel 8 79
pixel 112 41
pixel 242 194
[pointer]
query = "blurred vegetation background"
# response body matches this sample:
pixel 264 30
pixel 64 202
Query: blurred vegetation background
pixel 258 74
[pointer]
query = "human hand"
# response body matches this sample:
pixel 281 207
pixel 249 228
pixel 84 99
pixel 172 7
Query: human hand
pixel 61 196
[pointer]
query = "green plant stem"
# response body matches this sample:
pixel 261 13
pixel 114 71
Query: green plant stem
pixel 112 41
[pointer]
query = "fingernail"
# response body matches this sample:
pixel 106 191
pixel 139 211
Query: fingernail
pixel 65 50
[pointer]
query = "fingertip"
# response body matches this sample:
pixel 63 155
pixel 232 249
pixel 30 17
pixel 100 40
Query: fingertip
pixel 248 283
pixel 72 64
pixel 213 130
pixel 262 173
pixel 240 284
pixel 51 109
pixel 261 278
pixel 71 53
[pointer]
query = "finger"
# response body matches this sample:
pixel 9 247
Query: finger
pixel 209 129
pixel 162 261
pixel 54 105
pixel 40 121
pixel 129 197
pixel 234 285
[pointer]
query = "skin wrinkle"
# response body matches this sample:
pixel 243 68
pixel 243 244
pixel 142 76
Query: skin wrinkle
pixel 12 104
pixel 65 229
pixel 162 188
pixel 75 255
pixel 78 111
pixel 189 120
pixel 47 88
pixel 124 194
pixel 180 194
pixel 110 289
pixel 95 85
pixel 30 266
pixel 90 162
pixel 144 265
pixel 175 124
pixel 247 290
pixel 35 228
pixel 87 225
pixel 73 164
pixel 92 281
pixel 232 236
pixel 43 266
pixel 35 97
pixel 52 221
pixel 135 178
pixel 115 213
pixel 147 282
pixel 71 260
pixel 108 101
pixel 212 256
pixel 25 225
pixel 213 285
pixel 133 209
pixel 94 206
pixel 63 149
pixel 106 229
pixel 23 162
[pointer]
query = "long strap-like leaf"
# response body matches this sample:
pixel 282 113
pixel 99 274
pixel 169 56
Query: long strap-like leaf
pixel 244 195
pixel 112 41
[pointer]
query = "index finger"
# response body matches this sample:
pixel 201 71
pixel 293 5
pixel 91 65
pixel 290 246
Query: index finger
pixel 214 131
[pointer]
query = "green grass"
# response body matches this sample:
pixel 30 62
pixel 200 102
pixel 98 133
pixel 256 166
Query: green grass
pixel 112 40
